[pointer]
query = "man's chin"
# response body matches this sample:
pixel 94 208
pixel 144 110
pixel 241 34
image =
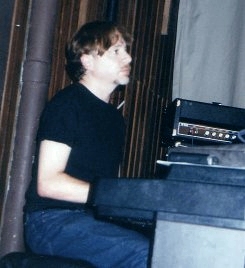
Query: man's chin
pixel 122 81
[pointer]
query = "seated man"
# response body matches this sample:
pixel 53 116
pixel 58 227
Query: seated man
pixel 80 138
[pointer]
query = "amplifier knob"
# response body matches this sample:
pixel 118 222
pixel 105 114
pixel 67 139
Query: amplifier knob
pixel 214 134
pixel 227 136
pixel 220 135
pixel 193 131
pixel 206 133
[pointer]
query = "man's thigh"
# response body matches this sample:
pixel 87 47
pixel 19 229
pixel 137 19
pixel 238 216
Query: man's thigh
pixel 76 234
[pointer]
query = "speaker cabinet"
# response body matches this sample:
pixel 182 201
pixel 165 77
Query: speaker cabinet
pixel 193 243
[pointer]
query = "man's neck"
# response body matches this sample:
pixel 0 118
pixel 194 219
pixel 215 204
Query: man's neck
pixel 100 90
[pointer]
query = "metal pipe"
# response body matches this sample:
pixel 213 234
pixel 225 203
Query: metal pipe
pixel 33 94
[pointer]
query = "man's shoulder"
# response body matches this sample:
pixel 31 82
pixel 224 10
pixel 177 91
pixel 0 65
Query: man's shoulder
pixel 69 94
pixel 72 89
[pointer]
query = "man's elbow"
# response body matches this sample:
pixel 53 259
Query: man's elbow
pixel 43 189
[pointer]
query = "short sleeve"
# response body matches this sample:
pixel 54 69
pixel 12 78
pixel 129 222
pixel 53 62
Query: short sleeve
pixel 58 123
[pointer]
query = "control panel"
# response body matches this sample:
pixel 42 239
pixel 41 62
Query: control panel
pixel 205 132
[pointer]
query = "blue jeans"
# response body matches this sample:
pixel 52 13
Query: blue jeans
pixel 76 234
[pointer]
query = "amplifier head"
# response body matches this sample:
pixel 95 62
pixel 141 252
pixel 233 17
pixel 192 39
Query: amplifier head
pixel 192 122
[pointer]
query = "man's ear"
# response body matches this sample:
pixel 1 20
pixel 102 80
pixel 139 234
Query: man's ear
pixel 87 61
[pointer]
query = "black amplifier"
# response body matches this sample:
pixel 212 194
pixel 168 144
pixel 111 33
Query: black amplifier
pixel 192 122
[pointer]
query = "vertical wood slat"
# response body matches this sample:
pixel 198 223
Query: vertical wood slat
pixel 83 12
pixel 166 16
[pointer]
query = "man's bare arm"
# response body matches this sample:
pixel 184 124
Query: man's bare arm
pixel 53 182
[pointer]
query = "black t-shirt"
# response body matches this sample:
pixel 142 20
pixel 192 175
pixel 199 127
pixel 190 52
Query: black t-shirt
pixel 92 128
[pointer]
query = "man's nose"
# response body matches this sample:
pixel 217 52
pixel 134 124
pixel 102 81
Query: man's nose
pixel 127 58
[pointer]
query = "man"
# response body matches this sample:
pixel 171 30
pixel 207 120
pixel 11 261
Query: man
pixel 80 138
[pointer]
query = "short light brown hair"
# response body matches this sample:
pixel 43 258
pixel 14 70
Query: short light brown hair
pixel 93 36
